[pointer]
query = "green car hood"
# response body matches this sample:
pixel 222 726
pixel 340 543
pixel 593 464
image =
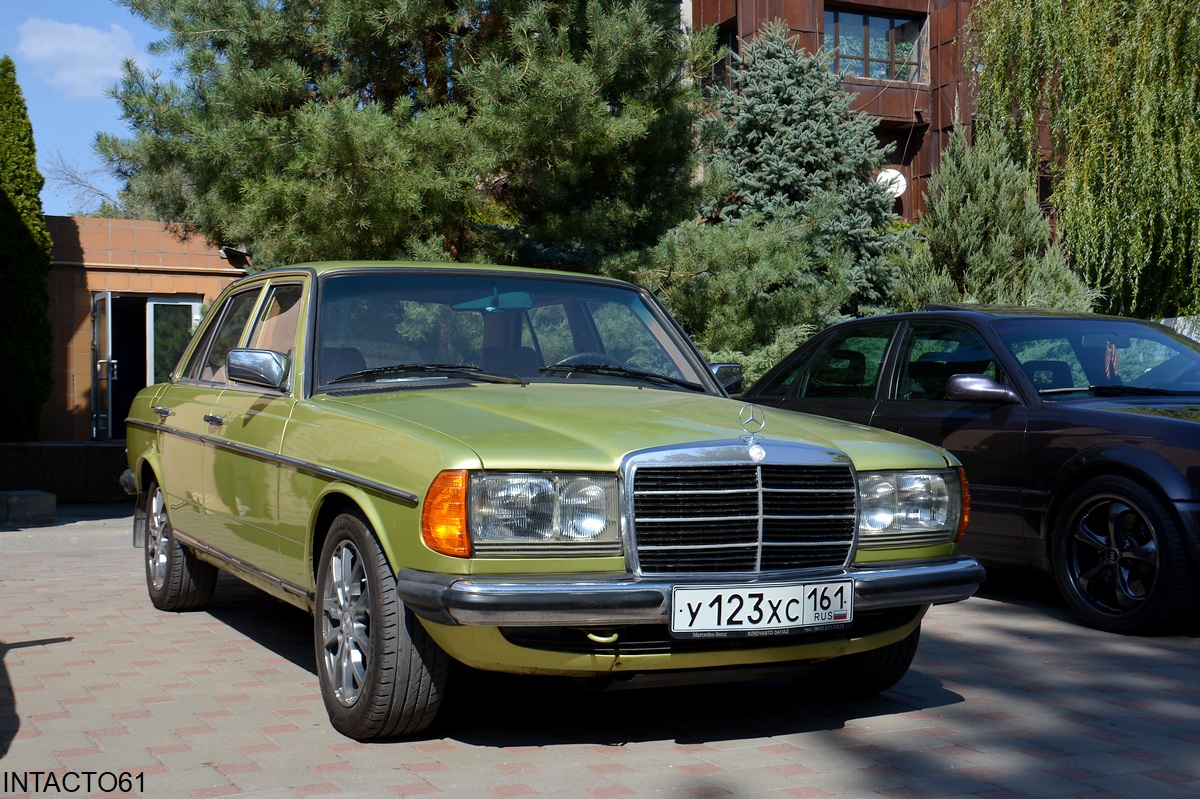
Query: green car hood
pixel 593 427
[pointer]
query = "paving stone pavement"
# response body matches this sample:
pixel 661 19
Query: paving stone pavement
pixel 1008 698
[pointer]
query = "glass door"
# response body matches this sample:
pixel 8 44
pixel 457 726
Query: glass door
pixel 169 326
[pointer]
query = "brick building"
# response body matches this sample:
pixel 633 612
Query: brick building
pixel 902 59
pixel 124 295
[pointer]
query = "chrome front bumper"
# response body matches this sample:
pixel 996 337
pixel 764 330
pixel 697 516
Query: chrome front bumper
pixel 587 599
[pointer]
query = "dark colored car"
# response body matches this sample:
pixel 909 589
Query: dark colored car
pixel 1080 435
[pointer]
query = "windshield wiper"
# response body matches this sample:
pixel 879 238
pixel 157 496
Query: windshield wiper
pixel 445 369
pixel 623 371
pixel 1136 391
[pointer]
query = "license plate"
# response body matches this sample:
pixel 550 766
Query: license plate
pixel 728 610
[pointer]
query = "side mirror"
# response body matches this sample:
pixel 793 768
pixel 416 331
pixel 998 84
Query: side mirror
pixel 729 375
pixel 265 368
pixel 979 388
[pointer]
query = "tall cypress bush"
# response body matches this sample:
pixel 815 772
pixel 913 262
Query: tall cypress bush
pixel 984 238
pixel 25 257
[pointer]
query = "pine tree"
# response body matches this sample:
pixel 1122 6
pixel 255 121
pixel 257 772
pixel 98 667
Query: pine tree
pixel 25 258
pixel 537 131
pixel 984 238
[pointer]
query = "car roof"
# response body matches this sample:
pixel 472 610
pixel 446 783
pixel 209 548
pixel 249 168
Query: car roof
pixel 324 267
pixel 985 313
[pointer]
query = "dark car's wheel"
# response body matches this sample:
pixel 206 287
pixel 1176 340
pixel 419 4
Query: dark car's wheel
pixel 1118 557
pixel 381 674
pixel 870 673
pixel 175 578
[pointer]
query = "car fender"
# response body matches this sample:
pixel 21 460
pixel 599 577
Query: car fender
pixel 1146 466
pixel 338 497
pixel 1139 462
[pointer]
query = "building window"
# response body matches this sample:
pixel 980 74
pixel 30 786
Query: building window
pixel 727 40
pixel 874 46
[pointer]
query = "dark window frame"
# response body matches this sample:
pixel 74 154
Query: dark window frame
pixel 837 31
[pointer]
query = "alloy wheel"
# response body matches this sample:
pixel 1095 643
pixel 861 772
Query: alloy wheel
pixel 1113 556
pixel 346 623
pixel 158 538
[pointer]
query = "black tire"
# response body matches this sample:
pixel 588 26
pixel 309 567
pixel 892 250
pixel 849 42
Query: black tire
pixel 1119 558
pixel 381 674
pixel 175 578
pixel 869 673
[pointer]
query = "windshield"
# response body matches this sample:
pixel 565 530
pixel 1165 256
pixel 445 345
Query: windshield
pixel 1070 358
pixel 387 329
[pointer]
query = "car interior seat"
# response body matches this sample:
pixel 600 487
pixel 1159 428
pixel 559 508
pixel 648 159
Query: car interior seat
pixel 338 361
pixel 1049 374
pixel 843 374
pixel 519 361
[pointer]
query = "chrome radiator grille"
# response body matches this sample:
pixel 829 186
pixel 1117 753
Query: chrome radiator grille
pixel 742 518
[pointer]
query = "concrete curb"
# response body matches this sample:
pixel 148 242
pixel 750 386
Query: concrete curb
pixel 84 525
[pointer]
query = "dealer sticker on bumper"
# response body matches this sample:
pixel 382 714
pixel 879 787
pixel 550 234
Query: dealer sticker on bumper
pixel 759 609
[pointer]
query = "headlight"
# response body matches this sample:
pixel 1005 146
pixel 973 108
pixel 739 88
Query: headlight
pixel 524 514
pixel 911 509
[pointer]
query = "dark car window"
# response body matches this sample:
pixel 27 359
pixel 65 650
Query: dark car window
pixel 780 384
pixel 932 352
pixel 208 360
pixel 1063 355
pixel 849 365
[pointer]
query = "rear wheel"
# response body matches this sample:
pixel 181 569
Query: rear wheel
pixel 872 672
pixel 175 578
pixel 1119 558
pixel 381 674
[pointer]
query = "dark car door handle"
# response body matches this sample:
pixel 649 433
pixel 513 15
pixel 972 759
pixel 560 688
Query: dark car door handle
pixel 212 418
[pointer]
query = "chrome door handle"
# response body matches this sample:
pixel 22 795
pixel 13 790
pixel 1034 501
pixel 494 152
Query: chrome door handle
pixel 213 419
pixel 163 411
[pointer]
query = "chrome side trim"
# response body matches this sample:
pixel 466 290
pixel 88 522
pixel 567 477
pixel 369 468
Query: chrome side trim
pixel 590 599
pixel 305 467
pixel 238 565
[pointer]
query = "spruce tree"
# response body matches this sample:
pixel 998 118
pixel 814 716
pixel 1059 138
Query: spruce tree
pixel 984 238
pixel 25 258
pixel 794 232
pixel 791 149
pixel 545 132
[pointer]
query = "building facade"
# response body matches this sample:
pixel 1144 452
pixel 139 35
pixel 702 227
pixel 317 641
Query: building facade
pixel 124 297
pixel 901 58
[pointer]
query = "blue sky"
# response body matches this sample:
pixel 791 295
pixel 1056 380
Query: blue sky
pixel 67 52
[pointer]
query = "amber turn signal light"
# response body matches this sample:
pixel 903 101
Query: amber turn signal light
pixel 444 515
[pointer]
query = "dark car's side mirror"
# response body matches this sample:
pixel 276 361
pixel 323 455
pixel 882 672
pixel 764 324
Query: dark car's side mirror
pixel 979 388
pixel 729 375
pixel 265 368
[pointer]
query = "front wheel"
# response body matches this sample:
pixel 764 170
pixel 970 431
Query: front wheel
pixel 381 674
pixel 175 578
pixel 868 673
pixel 1119 559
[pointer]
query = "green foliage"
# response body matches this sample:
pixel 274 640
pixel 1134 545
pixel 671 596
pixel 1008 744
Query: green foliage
pixel 984 238
pixel 25 258
pixel 538 131
pixel 1117 87
pixel 794 233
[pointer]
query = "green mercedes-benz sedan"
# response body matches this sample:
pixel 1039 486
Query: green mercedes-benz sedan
pixel 531 472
